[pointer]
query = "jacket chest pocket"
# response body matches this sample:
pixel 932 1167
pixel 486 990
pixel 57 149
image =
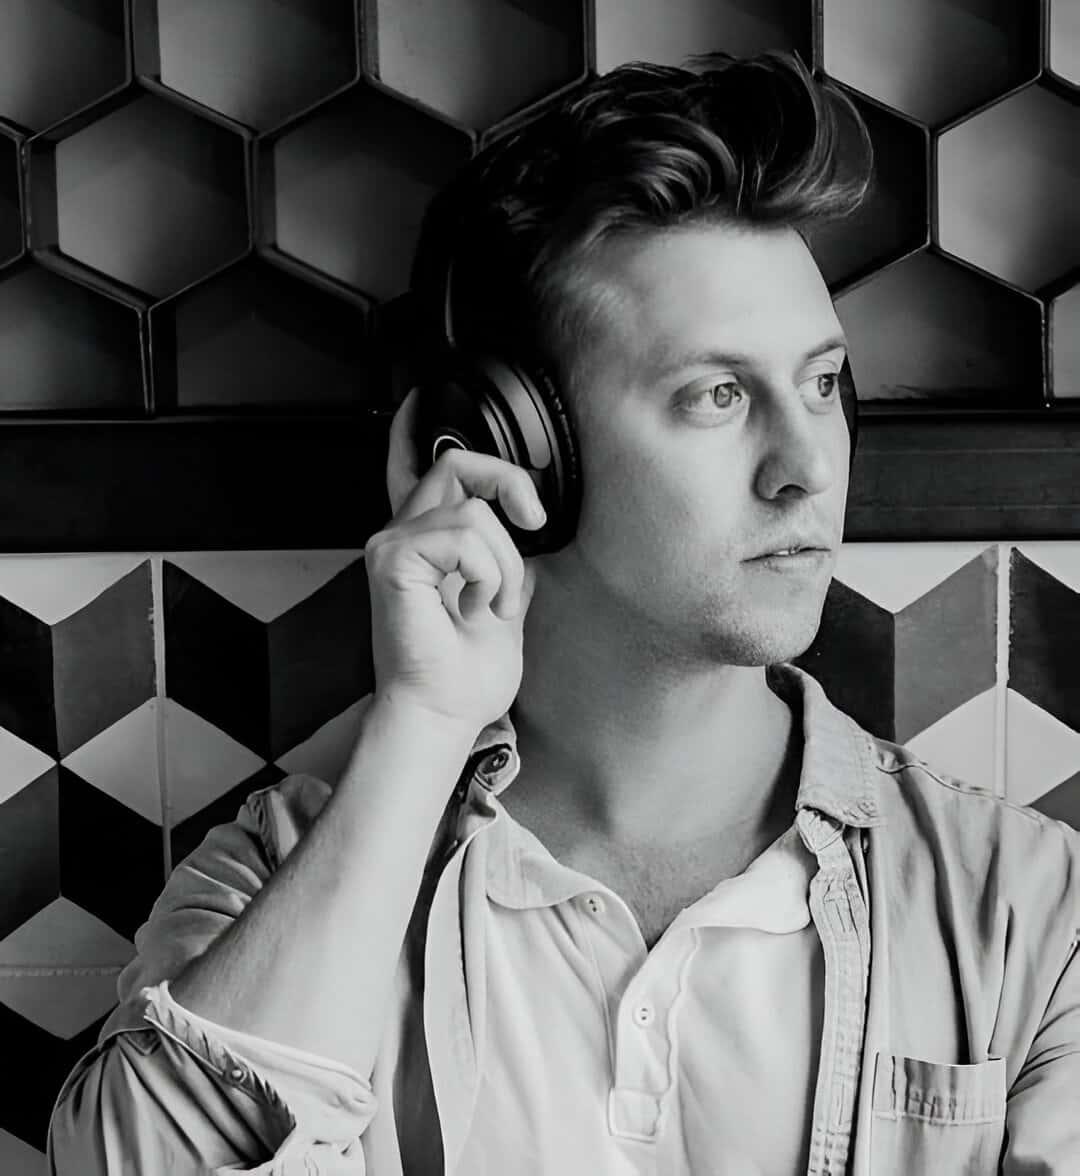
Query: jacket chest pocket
pixel 932 1117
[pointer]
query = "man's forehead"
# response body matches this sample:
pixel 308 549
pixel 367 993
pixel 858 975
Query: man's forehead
pixel 708 288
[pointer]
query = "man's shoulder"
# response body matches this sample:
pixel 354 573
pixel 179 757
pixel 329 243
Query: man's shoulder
pixel 932 813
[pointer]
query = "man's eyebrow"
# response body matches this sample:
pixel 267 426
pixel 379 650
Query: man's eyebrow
pixel 670 362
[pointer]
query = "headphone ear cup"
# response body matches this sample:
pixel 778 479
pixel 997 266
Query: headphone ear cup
pixel 489 405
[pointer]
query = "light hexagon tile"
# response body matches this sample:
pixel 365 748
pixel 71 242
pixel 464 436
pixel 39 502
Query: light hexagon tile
pixel 123 761
pixel 962 744
pixel 908 634
pixel 1042 753
pixel 202 762
pixel 59 968
pixel 20 1159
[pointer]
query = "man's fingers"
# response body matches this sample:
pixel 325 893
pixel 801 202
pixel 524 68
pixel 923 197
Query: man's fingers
pixel 460 474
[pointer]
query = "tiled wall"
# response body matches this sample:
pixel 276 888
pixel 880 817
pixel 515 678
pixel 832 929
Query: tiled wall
pixel 145 695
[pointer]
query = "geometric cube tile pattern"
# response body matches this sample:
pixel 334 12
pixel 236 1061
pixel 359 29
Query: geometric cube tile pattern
pixel 148 694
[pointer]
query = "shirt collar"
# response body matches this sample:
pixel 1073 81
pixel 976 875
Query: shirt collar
pixel 837 777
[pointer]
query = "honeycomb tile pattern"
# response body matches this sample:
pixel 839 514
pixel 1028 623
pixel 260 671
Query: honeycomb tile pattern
pixel 164 142
pixel 218 673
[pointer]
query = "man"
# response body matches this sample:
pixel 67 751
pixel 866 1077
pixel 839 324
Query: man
pixel 680 915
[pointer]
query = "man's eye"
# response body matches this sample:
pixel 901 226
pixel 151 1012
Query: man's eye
pixel 828 384
pixel 722 395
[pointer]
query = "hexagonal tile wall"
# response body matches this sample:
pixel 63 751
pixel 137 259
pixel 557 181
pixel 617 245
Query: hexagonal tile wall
pixel 927 328
pixel 65 346
pixel 255 334
pixel 254 62
pixel 893 218
pixel 57 57
pixel 637 30
pixel 144 192
pixel 933 59
pixel 1008 179
pixel 477 61
pixel 364 159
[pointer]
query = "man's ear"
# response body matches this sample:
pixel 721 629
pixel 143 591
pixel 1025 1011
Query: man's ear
pixel 402 460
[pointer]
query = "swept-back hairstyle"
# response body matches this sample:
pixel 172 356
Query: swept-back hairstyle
pixel 755 141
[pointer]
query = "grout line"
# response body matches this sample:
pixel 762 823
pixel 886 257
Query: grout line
pixel 157 586
pixel 1001 697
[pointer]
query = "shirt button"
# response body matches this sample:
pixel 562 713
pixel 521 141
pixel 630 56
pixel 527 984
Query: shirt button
pixel 595 904
pixel 644 1014
pixel 236 1074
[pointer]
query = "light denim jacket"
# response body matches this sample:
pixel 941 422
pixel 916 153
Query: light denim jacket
pixel 949 920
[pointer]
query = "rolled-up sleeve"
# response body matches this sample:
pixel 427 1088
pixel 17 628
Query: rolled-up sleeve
pixel 166 1091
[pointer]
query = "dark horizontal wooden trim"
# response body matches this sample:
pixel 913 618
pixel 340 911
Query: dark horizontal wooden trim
pixel 284 481
pixel 967 475
pixel 188 484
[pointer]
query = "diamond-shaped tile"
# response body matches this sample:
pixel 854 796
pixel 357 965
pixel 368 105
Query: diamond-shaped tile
pixel 59 968
pixel 1041 751
pixel 962 744
pixel 20 1159
pixel 1044 651
pixel 123 761
pixel 202 762
pixel 27 705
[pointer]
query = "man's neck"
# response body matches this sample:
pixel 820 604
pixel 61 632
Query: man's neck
pixel 622 744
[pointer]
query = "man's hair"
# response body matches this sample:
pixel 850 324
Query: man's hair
pixel 753 142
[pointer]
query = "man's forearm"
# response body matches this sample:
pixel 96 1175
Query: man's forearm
pixel 310 962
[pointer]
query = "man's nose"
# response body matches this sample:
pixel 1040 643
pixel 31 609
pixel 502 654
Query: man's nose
pixel 797 448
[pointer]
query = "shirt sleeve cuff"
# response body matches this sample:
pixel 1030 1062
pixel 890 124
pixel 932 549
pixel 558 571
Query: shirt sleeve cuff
pixel 326 1100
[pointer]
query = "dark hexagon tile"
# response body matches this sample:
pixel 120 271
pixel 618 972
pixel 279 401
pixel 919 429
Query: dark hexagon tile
pixel 853 657
pixel 103 659
pixel 1044 650
pixel 320 658
pixel 946 646
pixel 39 1064
pixel 29 850
pixel 111 859
pixel 216 659
pixel 27 707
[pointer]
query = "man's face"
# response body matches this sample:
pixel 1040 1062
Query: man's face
pixel 711 434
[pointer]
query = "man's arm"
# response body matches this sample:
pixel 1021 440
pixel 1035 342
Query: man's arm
pixel 325 932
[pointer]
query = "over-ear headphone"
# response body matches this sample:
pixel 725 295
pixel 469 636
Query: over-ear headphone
pixel 504 405
pixel 510 408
